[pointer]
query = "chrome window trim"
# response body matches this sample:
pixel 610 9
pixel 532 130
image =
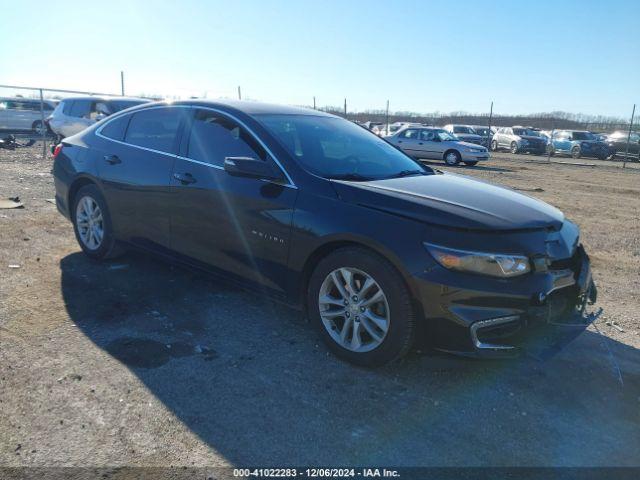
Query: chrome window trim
pixel 473 330
pixel 98 133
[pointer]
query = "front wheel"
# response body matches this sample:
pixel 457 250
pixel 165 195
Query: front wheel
pixel 452 158
pixel 92 224
pixel 514 147
pixel 494 146
pixel 576 152
pixel 361 307
pixel 471 164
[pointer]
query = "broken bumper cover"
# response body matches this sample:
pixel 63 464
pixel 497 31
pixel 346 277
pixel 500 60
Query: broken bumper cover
pixel 537 318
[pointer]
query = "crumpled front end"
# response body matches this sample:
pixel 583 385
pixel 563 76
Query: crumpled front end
pixel 536 313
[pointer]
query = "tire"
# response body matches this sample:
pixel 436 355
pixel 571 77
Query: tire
pixel 494 146
pixel 471 164
pixel 38 128
pixel 452 157
pixel 396 307
pixel 514 148
pixel 576 152
pixel 107 247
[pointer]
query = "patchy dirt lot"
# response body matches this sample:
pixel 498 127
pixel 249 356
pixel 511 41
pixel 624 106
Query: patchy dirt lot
pixel 136 362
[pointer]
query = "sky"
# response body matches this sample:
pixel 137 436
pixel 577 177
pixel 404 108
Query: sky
pixel 580 56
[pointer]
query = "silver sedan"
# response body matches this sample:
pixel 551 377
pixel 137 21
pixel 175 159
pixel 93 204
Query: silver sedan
pixel 437 144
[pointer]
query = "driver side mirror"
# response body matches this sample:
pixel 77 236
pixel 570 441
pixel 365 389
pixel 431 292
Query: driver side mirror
pixel 251 168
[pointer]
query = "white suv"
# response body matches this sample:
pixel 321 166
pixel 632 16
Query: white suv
pixel 72 115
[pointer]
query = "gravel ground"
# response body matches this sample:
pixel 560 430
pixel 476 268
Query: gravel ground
pixel 136 362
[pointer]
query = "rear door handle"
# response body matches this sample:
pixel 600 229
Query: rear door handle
pixel 184 178
pixel 112 159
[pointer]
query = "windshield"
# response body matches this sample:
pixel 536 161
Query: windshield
pixel 335 148
pixel 583 136
pixel 482 131
pixel 526 131
pixel 459 129
pixel 446 136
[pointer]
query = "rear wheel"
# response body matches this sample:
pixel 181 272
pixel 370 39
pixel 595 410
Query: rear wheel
pixel 452 157
pixel 514 147
pixel 576 152
pixel 361 307
pixel 494 146
pixel 92 224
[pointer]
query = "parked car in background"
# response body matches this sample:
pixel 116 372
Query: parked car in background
pixel 485 132
pixel 518 140
pixel 617 143
pixel 577 143
pixel 377 249
pixel 437 144
pixel 465 133
pixel 381 130
pixel 23 114
pixel 371 125
pixel 73 115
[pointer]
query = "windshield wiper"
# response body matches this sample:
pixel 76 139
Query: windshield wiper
pixel 356 177
pixel 408 173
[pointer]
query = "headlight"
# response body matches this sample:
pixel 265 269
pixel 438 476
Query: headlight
pixel 493 264
pixel 524 141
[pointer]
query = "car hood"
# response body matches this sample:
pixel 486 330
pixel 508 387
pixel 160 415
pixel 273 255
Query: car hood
pixel 464 144
pixel 532 138
pixel 452 201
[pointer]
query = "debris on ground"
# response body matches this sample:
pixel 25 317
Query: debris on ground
pixel 51 200
pixel 537 189
pixel 14 266
pixel 11 202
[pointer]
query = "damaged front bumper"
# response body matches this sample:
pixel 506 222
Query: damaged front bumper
pixel 537 318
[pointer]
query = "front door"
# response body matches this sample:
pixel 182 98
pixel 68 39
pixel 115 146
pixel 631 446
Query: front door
pixel 229 223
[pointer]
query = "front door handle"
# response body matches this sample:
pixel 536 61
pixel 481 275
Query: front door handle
pixel 184 178
pixel 112 159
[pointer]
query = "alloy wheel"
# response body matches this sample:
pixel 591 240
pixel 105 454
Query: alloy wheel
pixel 90 223
pixel 451 158
pixel 354 309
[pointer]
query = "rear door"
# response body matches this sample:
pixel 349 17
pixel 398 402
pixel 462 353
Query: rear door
pixel 235 224
pixel 430 148
pixel 408 142
pixel 135 167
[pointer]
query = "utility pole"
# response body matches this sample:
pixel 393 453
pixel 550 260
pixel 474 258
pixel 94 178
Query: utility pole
pixel 239 93
pixel 314 102
pixel 387 117
pixel 626 153
pixel 122 82
pixel 345 108
pixel 489 132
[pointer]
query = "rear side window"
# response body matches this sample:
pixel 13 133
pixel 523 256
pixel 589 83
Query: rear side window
pixel 115 128
pixel 214 137
pixel 410 133
pixel 155 128
pixel 80 108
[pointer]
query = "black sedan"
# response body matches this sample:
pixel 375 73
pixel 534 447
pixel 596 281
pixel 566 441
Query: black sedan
pixel 623 144
pixel 313 210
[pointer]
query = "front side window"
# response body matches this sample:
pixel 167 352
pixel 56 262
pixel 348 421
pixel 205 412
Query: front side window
pixel 155 128
pixel 338 149
pixel 427 135
pixel 214 137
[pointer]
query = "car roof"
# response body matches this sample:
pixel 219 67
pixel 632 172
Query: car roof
pixel 252 108
pixel 106 99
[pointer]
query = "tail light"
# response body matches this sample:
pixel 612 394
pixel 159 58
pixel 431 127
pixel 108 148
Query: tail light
pixel 56 150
